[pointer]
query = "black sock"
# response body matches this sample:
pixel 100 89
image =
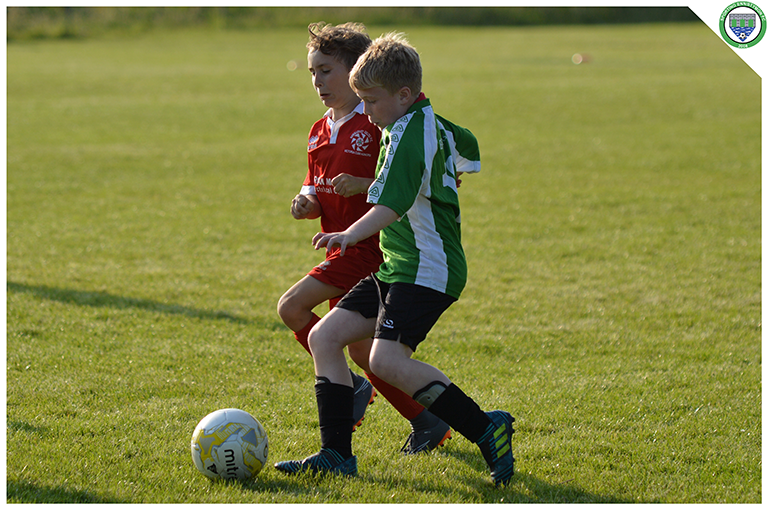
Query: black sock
pixel 334 409
pixel 459 411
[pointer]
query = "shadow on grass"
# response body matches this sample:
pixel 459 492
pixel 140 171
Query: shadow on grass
pixel 26 492
pixel 106 300
pixel 526 488
pixel 539 491
pixel 523 488
pixel 22 426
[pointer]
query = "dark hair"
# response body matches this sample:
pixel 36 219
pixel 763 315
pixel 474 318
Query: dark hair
pixel 344 42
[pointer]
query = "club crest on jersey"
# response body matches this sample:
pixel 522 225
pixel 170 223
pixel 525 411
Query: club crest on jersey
pixel 360 140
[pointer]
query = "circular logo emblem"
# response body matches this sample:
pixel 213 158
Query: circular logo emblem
pixel 360 140
pixel 742 24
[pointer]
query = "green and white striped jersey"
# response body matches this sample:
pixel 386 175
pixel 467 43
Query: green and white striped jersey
pixel 416 177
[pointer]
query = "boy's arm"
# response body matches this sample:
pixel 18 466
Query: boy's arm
pixel 467 152
pixel 378 217
pixel 306 207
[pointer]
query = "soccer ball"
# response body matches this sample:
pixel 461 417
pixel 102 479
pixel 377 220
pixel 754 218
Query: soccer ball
pixel 229 444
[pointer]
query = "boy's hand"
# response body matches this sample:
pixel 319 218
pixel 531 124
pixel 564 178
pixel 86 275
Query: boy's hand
pixel 328 241
pixel 301 207
pixel 377 218
pixel 347 185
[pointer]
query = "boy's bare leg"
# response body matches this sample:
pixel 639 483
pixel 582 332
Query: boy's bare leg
pixel 431 388
pixel 296 309
pixel 427 431
pixel 392 362
pixel 334 392
pixel 330 336
pixel 296 305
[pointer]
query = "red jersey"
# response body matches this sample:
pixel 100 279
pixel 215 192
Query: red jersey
pixel 351 146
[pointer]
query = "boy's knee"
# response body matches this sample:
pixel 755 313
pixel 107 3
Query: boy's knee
pixel 382 366
pixel 313 339
pixel 289 311
pixel 284 306
pixel 319 340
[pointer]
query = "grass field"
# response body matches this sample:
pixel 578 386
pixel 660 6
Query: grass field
pixel 614 241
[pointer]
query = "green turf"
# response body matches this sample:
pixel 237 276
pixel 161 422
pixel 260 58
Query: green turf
pixel 613 236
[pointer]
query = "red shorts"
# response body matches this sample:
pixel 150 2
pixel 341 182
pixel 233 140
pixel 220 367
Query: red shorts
pixel 344 272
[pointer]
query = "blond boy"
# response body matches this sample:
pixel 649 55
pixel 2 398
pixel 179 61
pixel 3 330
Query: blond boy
pixel 416 214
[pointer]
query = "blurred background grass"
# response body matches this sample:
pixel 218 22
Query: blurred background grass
pixel 78 22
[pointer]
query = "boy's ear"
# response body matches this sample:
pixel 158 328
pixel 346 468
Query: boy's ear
pixel 404 95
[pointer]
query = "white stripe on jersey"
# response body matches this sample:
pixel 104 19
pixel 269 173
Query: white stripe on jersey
pixel 391 148
pixel 432 273
pixel 430 149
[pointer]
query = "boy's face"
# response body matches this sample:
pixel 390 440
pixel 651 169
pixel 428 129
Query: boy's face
pixel 331 80
pixel 384 108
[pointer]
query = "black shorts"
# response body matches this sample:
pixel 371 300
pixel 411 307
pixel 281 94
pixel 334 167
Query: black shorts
pixel 404 312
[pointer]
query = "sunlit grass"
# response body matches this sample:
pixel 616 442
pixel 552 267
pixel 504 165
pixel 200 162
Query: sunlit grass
pixel 613 236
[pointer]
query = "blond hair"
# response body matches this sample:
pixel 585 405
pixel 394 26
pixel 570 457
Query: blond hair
pixel 389 62
pixel 345 42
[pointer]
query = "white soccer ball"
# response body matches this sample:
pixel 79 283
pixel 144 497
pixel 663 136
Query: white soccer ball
pixel 229 444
